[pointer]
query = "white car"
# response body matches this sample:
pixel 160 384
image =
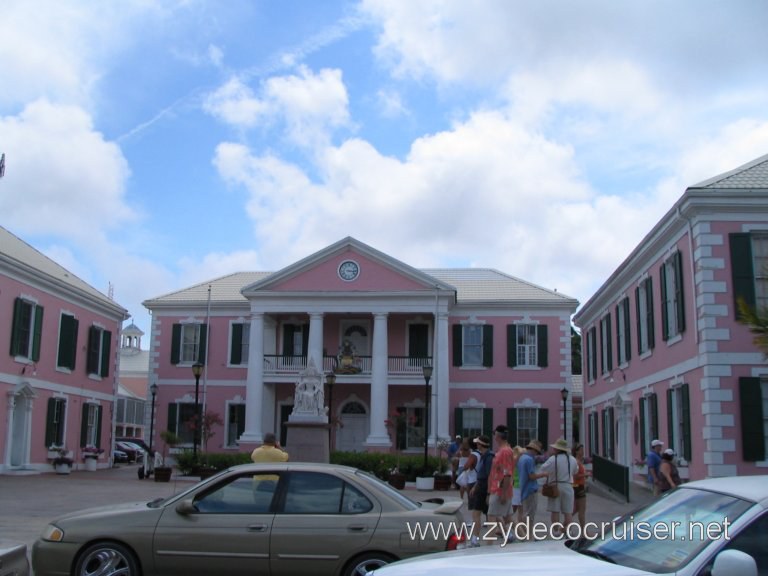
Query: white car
pixel 714 527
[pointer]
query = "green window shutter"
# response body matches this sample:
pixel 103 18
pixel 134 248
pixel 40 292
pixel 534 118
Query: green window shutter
pixel 98 426
pixel 543 431
pixel 604 438
pixel 236 352
pixel 18 306
pixel 627 330
pixel 618 333
pixel 38 333
pixel 172 425
pixel 94 341
pixel 67 342
pixel 488 422
pixel 686 416
pixel 511 345
pixel 752 434
pixel 202 350
pixel 458 351
pixel 644 442
pixel 612 435
pixel 512 426
pixel 670 421
pixel 651 327
pixel 458 421
pixel 664 297
pixel 50 429
pixel 742 273
pixel 240 411
pixel 84 425
pixel 106 350
pixel 654 428
pixel 488 345
pixel 176 344
pixel 542 345
pixel 609 343
pixel 679 292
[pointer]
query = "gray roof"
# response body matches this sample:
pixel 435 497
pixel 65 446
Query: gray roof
pixel 25 257
pixel 471 284
pixel 134 360
pixel 753 174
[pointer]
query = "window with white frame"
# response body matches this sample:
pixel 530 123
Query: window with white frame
pixel 649 422
pixel 760 266
pixel 672 304
pixel 99 350
pixel 181 421
pixel 606 349
pixel 26 330
pixel 54 422
pixel 471 422
pixel 526 345
pixel 608 433
pixel 240 338
pixel 623 346
pixel 473 345
pixel 235 423
pixel 91 425
pixel 644 306
pixel 190 342
pixel 527 425
pixel 679 421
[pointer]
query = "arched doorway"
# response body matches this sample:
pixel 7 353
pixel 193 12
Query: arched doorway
pixel 354 429
pixel 19 424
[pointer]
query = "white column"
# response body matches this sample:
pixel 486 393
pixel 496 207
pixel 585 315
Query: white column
pixel 254 394
pixel 440 360
pixel 316 340
pixel 379 381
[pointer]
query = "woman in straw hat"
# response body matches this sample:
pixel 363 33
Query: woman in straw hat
pixel 560 468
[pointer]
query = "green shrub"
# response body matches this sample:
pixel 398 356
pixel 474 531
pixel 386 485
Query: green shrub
pixel 382 463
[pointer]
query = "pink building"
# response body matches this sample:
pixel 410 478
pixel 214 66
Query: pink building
pixel 58 379
pixel 499 348
pixel 664 356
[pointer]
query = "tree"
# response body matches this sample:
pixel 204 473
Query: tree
pixel 575 351
pixel 757 321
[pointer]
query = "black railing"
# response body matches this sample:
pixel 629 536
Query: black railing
pixel 613 475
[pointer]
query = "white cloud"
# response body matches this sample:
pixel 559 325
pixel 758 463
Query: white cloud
pixel 61 175
pixel 235 103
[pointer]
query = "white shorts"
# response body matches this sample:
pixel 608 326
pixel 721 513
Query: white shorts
pixel 564 502
pixel 496 508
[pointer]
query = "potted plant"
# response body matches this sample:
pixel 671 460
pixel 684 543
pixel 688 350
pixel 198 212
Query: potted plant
pixel 163 473
pixel 62 464
pixel 90 456
pixel 443 479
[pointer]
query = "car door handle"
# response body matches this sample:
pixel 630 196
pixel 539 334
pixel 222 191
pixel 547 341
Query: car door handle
pixel 257 528
pixel 357 528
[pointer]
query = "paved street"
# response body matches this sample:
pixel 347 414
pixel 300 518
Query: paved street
pixel 29 502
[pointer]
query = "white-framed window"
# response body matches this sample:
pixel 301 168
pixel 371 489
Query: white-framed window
pixel 239 343
pixel 760 266
pixel 27 329
pixel 679 421
pixel 649 422
pixel 181 419
pixel 190 343
pixel 673 307
pixel 55 421
pixel 99 351
pixel 527 425
pixel 235 422
pixel 606 349
pixel 608 433
pixel 644 305
pixel 471 422
pixel 91 429
pixel 473 345
pixel 526 345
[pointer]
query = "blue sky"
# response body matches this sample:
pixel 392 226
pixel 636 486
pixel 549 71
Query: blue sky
pixel 153 145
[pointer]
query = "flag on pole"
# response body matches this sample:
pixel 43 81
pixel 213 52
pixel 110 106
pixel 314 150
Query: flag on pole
pixel 2 165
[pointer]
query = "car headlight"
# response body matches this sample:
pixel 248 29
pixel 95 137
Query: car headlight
pixel 52 533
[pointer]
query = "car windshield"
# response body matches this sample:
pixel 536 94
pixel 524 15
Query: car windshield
pixel 405 502
pixel 665 535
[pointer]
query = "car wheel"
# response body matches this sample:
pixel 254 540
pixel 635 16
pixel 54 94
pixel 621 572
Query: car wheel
pixel 107 559
pixel 365 563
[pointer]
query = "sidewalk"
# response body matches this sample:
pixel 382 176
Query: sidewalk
pixel 29 502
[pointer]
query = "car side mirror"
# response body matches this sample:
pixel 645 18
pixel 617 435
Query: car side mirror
pixel 186 507
pixel 730 562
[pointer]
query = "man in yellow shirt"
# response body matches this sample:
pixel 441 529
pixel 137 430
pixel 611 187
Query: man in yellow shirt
pixel 270 451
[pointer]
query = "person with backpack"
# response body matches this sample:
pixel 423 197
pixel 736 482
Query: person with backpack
pixel 478 494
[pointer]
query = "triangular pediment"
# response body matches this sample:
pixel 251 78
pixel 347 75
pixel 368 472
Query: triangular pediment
pixel 347 266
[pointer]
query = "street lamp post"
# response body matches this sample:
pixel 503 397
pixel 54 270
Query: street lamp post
pixel 427 375
pixel 564 396
pixel 330 379
pixel 151 459
pixel 197 370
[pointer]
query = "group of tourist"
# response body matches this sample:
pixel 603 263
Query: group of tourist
pixel 502 483
pixel 662 471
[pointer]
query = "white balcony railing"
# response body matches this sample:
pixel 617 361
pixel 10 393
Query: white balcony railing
pixel 276 364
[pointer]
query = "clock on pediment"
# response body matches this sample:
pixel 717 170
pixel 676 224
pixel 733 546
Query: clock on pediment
pixel 349 270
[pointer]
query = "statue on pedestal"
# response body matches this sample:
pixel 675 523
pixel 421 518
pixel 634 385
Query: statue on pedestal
pixel 309 398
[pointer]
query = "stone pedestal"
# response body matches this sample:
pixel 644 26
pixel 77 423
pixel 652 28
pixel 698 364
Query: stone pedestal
pixel 308 442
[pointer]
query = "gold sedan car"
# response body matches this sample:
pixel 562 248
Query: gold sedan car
pixel 267 519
